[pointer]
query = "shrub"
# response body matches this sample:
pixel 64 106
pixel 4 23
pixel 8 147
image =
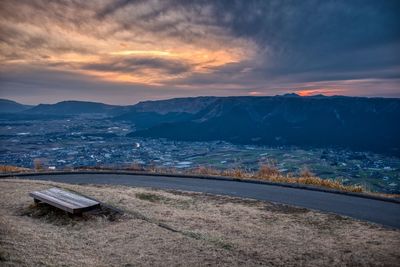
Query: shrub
pixel 268 170
pixel 38 165
pixel 305 172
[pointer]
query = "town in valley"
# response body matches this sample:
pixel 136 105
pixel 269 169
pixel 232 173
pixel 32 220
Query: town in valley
pixel 87 141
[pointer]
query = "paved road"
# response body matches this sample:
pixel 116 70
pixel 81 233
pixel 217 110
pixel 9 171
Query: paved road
pixel 382 212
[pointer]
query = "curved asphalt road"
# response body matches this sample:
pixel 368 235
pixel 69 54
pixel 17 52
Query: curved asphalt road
pixel 378 211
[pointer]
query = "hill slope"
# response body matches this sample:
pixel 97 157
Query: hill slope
pixel 169 228
pixel 76 108
pixel 361 123
pixel 9 106
pixel 151 113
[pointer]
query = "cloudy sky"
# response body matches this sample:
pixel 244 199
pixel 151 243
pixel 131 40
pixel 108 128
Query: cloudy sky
pixel 125 51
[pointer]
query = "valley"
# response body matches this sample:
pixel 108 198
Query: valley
pixel 93 140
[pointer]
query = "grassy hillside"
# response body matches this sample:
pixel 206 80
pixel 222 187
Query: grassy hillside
pixel 169 228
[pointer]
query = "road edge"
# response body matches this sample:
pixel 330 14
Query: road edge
pixel 253 181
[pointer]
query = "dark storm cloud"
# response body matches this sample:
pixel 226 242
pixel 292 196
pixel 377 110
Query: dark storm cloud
pixel 306 35
pixel 188 21
pixel 127 65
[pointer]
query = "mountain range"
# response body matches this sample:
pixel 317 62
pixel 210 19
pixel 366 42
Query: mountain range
pixel 320 121
pixel 9 106
pixel 75 108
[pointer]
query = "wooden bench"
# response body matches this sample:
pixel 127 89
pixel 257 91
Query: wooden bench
pixel 67 201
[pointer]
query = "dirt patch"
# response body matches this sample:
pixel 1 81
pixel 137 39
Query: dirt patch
pixel 50 214
pixel 177 228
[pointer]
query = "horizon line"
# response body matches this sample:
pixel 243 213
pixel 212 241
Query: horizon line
pixel 200 96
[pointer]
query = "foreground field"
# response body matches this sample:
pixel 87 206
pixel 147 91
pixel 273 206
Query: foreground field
pixel 181 228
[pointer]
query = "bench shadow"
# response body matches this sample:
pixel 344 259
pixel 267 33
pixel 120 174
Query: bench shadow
pixel 55 216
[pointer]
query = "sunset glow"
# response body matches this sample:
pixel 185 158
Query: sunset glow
pixel 327 92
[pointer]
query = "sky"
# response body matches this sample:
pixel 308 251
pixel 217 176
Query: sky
pixel 126 51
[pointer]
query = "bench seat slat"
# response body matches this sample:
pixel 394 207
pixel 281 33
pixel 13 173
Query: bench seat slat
pixel 60 198
pixel 84 200
pixel 64 200
pixel 52 198
pixel 71 200
pixel 53 202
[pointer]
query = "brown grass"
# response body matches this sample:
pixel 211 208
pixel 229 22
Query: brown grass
pixel 306 173
pixel 176 228
pixel 268 172
pixel 38 165
pixel 306 177
pixel 8 169
pixel 135 167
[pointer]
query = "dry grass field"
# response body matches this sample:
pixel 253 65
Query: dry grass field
pixel 9 169
pixel 175 228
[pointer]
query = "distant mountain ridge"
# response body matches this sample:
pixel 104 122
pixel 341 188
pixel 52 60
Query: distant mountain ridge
pixel 151 113
pixel 76 108
pixel 9 106
pixel 190 105
pixel 349 122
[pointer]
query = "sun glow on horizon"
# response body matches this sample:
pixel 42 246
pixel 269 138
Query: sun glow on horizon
pixel 321 91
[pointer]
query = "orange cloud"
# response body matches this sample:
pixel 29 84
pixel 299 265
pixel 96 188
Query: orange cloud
pixel 38 38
